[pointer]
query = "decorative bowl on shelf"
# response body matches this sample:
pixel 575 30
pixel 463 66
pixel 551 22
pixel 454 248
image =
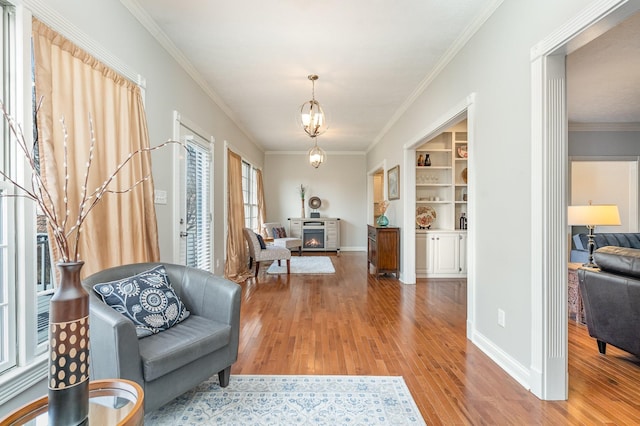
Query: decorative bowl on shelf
pixel 464 175
pixel 425 216
pixel 462 151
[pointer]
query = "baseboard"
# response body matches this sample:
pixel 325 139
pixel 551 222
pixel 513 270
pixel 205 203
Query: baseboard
pixel 516 370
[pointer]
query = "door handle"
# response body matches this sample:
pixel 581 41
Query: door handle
pixel 184 234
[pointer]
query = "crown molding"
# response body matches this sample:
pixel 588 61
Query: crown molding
pixel 45 13
pixel 448 56
pixel 358 153
pixel 604 127
pixel 156 32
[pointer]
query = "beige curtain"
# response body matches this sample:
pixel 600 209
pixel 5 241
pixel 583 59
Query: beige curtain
pixel 122 228
pixel 236 267
pixel 262 207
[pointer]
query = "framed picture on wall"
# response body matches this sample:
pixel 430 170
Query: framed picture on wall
pixel 393 183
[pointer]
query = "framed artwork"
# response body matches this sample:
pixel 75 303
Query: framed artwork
pixel 393 183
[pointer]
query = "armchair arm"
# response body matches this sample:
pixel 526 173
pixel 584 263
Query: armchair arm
pixel 114 344
pixel 214 298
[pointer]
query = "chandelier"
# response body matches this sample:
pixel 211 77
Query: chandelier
pixel 312 118
pixel 317 155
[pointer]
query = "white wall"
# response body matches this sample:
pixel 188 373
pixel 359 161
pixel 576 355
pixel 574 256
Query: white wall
pixel 110 25
pixel 494 64
pixel 340 183
pixel 608 182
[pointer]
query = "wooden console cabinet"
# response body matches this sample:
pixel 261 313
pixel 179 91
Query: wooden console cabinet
pixel 383 249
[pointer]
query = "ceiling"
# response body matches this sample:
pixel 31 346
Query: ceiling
pixel 603 77
pixel 373 58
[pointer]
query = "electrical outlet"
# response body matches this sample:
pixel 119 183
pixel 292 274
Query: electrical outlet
pixel 217 263
pixel 501 318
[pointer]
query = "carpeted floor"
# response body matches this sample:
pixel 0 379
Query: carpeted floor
pixel 293 400
pixel 304 265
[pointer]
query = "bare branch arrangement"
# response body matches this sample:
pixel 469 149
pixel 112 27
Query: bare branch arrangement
pixel 66 240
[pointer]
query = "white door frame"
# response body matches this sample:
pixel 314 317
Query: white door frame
pixel 549 189
pixel 451 117
pixel 180 122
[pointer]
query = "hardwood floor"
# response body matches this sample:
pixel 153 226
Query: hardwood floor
pixel 353 323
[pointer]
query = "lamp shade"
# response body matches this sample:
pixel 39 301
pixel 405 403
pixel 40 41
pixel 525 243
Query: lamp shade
pixel 594 215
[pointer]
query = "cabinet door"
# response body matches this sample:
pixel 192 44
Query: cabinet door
pixel 446 255
pixel 295 228
pixel 463 253
pixel 421 255
pixel 331 234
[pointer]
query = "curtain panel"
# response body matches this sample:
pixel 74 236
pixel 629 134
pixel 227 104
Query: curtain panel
pixel 76 87
pixel 262 206
pixel 236 266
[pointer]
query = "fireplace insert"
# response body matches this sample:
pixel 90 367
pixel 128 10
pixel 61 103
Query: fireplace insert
pixel 313 235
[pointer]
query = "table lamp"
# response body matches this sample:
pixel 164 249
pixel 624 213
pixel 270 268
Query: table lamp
pixel 591 216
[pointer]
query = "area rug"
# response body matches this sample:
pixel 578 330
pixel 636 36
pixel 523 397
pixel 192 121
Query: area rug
pixel 304 265
pixel 293 400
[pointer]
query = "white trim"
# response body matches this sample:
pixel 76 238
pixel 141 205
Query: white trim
pixel 59 23
pixel 549 162
pixel 448 56
pixel 16 381
pixel 509 364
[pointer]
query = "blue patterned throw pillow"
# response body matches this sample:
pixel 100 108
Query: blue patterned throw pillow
pixel 147 299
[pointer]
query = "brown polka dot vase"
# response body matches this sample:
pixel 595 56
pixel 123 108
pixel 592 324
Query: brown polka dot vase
pixel 69 349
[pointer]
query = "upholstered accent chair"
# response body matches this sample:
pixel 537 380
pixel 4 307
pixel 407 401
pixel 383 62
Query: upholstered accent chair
pixel 270 252
pixel 175 360
pixel 288 242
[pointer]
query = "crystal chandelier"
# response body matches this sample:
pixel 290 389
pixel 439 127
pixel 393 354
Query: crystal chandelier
pixel 317 155
pixel 312 118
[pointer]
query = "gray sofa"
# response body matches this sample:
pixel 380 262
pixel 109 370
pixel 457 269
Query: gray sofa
pixel 611 298
pixel 173 361
pixel 580 249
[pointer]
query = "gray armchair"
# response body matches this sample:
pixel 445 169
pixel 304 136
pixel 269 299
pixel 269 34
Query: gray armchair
pixel 173 361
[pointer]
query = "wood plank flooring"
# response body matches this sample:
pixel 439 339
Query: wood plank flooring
pixel 352 323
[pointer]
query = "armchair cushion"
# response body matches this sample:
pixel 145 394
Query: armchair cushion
pixel 186 342
pixel 147 299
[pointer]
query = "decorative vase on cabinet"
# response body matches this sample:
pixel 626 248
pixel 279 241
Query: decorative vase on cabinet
pixel 382 220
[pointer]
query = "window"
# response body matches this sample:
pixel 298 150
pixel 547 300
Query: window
pixel 26 283
pixel 7 305
pixel 198 202
pixel 250 196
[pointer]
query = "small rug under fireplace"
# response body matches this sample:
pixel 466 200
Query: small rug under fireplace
pixel 293 400
pixel 304 265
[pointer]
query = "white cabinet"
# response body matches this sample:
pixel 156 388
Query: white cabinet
pixel 441 254
pixel 421 254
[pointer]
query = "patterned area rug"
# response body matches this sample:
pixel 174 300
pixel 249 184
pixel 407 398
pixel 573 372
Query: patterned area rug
pixel 304 265
pixel 293 400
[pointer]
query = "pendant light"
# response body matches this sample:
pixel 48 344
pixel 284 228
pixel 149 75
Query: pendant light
pixel 317 155
pixel 312 118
